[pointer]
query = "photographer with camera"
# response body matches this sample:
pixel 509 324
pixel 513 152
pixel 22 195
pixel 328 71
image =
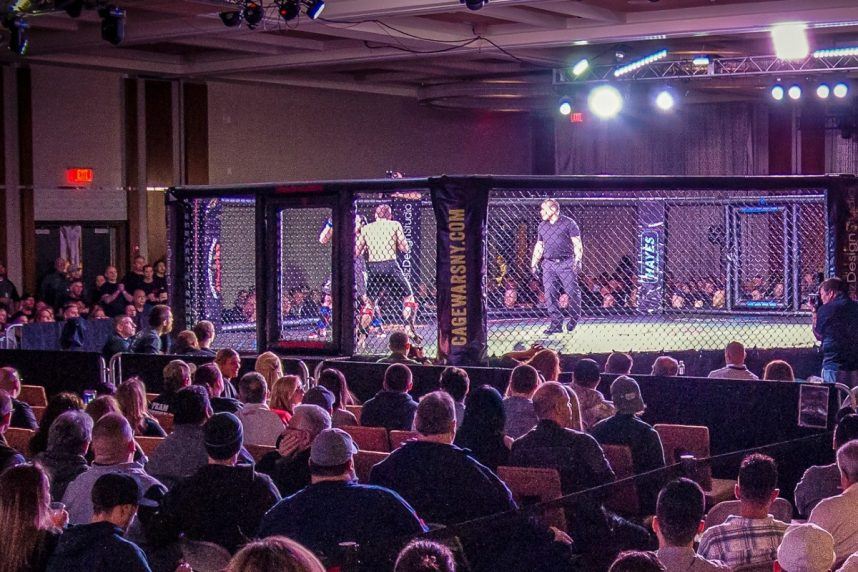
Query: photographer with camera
pixel 835 324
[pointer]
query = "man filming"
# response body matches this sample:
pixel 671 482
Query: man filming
pixel 835 324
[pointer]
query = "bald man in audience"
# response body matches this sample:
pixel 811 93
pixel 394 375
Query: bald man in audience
pixel 113 446
pixel 839 515
pixel 734 355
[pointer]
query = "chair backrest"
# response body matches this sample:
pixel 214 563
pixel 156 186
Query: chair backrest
pixel 369 438
pixel 150 397
pixel 148 444
pixel 364 462
pixel 205 556
pixel 38 413
pixel 623 498
pixel 19 439
pixel 531 485
pixel 165 420
pixel 33 395
pixel 355 410
pixel 397 438
pixel 781 509
pixel 258 451
pixel 687 439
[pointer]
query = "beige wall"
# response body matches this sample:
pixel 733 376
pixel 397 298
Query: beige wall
pixel 259 133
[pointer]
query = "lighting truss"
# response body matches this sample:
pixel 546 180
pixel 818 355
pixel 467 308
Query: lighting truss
pixel 718 67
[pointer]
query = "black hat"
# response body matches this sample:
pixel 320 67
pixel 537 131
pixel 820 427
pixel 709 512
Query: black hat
pixel 320 396
pixel 223 436
pixel 114 489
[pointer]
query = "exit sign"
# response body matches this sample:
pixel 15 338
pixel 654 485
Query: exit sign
pixel 79 176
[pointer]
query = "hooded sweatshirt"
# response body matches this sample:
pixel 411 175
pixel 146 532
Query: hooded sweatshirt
pixel 393 410
pixel 97 547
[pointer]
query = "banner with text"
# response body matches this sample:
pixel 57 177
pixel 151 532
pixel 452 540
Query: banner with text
pixel 842 204
pixel 460 212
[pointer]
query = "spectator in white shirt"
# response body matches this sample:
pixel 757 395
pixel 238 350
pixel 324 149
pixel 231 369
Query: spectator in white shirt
pixel 837 514
pixel 734 355
pixel 261 425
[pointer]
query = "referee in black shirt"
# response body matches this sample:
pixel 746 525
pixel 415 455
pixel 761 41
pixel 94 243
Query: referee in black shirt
pixel 560 250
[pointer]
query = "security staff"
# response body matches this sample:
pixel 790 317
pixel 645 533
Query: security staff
pixel 835 324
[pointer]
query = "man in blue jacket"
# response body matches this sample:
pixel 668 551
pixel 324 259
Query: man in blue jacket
pixel 835 324
pixel 100 545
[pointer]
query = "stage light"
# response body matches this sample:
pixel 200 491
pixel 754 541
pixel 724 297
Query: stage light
pixel 794 92
pixel 636 65
pixel 823 91
pixel 579 68
pixel 836 52
pixel 253 13
pixel 840 90
pixel 112 24
pixel 777 92
pixel 700 61
pixel 315 8
pixel 288 9
pixel 664 100
pixel 231 19
pixel 19 34
pixel 565 106
pixel 605 101
pixel 790 41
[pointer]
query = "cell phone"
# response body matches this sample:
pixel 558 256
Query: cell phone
pixel 88 396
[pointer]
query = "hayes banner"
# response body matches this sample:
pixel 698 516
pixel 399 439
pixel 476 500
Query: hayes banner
pixel 842 203
pixel 460 212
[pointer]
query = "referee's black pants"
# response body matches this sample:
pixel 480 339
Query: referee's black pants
pixel 561 271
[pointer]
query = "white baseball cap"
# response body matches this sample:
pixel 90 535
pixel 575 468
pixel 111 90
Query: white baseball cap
pixel 806 548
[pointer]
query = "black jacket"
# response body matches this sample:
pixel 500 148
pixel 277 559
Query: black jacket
pixel 62 467
pixel 116 344
pixel 98 547
pixel 389 409
pixel 218 504
pixel 22 416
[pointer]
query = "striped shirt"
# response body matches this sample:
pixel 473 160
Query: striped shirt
pixel 743 540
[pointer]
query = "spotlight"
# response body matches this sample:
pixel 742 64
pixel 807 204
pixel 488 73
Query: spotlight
pixel 112 24
pixel 790 41
pixel 19 35
pixel 605 101
pixel 565 106
pixel 840 90
pixel 231 19
pixel 315 8
pixel 253 13
pixel 288 9
pixel 823 91
pixel 636 65
pixel 474 4
pixel 778 92
pixel 794 92
pixel 664 100
pixel 579 68
pixel 836 52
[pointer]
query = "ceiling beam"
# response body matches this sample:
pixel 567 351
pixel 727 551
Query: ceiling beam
pixel 345 85
pixel 584 11
pixel 529 17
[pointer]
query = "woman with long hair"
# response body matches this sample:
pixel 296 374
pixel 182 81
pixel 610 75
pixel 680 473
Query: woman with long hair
pixel 334 381
pixel 131 395
pixel 286 393
pixel 57 405
pixel 482 429
pixel 546 362
pixel 30 528
pixel 270 367
pixel 275 553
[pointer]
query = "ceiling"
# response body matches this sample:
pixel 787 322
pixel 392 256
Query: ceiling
pixel 436 51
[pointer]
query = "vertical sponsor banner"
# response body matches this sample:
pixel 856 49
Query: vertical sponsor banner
pixel 842 205
pixel 651 218
pixel 406 211
pixel 460 212
pixel 210 244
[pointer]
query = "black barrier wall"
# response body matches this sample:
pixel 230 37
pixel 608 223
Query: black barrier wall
pixel 472 265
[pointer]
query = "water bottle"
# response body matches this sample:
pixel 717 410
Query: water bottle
pixel 681 369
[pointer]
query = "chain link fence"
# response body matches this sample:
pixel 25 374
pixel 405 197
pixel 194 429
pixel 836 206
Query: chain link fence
pixel 395 240
pixel 220 268
pixel 591 272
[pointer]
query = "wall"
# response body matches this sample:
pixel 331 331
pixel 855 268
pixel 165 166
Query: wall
pixel 77 121
pixel 259 133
